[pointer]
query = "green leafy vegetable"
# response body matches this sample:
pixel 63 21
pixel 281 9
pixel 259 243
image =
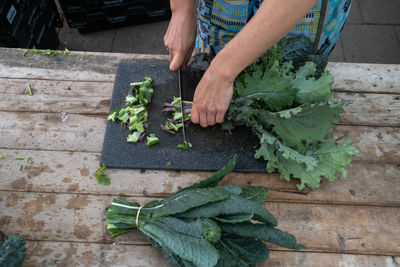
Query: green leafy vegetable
pixel 168 164
pixel 12 252
pixel 1 156
pixel 134 137
pixel 152 140
pixel 174 122
pixel 101 176
pixel 286 99
pixel 30 89
pixel 134 115
pixel 205 224
pixel 185 145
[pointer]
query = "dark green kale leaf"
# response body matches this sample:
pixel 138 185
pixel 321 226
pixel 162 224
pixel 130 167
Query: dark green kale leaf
pixel 232 205
pixel 12 251
pixel 262 232
pixel 217 177
pixel 241 251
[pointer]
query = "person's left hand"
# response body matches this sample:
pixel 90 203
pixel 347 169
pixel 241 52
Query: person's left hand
pixel 211 98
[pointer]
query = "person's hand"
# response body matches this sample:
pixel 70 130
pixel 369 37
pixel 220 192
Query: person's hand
pixel 180 37
pixel 211 98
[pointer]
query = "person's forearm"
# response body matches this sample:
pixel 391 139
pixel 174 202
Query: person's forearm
pixel 187 6
pixel 273 20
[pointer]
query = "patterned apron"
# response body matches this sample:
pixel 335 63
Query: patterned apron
pixel 220 20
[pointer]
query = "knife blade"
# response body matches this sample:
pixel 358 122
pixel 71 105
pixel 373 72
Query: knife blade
pixel 181 96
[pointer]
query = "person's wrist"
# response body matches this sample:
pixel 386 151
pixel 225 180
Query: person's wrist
pixel 220 67
pixel 183 7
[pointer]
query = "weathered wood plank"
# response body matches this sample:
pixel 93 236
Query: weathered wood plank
pixel 55 96
pixel 89 254
pixel 53 131
pixel 100 66
pixel 356 77
pixel 376 144
pixel 370 109
pixel 94 98
pixel 351 77
pixel 85 133
pixel 324 228
pixel 67 172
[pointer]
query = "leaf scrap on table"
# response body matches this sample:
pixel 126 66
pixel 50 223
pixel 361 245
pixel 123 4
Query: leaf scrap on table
pixel 205 224
pixel 101 177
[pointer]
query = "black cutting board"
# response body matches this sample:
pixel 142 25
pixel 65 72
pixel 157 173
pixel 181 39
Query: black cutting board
pixel 212 147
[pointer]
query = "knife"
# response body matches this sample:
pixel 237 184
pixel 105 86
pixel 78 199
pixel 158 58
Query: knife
pixel 181 96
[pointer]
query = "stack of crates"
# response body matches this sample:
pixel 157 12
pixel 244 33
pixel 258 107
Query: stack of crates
pixel 29 24
pixel 93 15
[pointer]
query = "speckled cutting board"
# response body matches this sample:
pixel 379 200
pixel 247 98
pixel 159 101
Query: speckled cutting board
pixel 212 147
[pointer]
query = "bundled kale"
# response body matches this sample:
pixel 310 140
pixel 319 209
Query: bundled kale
pixel 205 224
pixel 12 251
pixel 286 98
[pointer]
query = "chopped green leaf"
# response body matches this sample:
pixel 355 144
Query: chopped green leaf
pixel 168 164
pixel 52 53
pixel 134 115
pixel 185 145
pixel 152 139
pixel 20 158
pixel 101 177
pixel 30 89
pixel 34 51
pixel 133 138
pixel 1 156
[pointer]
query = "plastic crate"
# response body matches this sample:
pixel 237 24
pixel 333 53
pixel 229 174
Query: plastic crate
pixel 48 10
pixel 48 39
pixel 22 22
pixel 9 15
pixel 97 15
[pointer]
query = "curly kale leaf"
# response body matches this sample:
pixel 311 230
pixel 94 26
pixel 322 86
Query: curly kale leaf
pixel 272 86
pixel 286 98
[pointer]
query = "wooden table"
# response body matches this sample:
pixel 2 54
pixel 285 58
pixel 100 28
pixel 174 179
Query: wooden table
pixel 58 206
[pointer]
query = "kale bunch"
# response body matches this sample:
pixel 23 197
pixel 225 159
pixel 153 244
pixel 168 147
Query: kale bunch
pixel 285 97
pixel 205 224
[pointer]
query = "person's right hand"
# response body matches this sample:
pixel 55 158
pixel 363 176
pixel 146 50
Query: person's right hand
pixel 180 36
